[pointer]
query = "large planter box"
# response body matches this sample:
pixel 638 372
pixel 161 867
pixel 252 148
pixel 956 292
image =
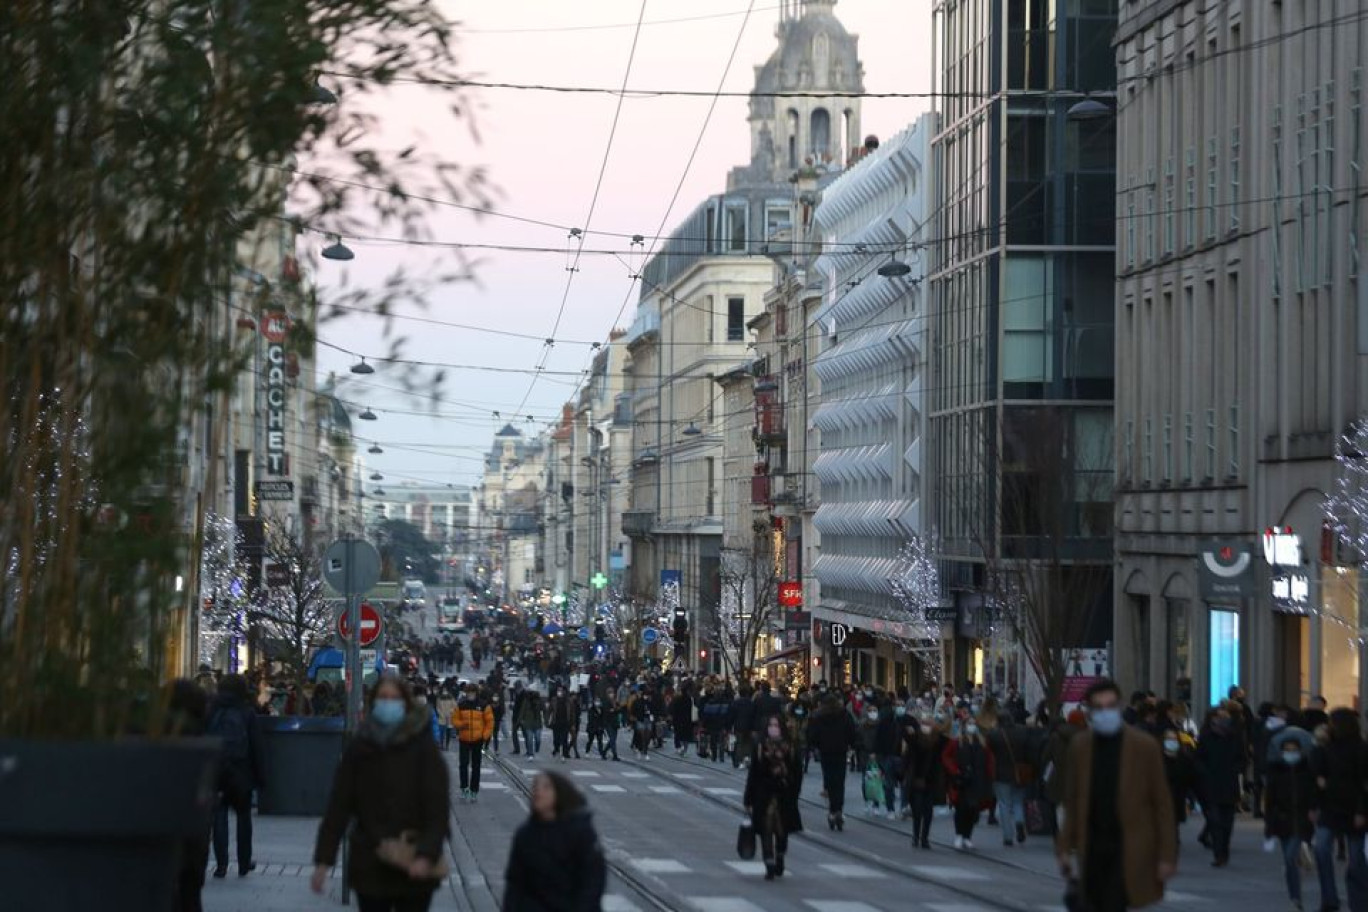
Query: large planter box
pixel 301 756
pixel 100 825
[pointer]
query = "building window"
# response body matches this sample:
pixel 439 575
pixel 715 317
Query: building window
pixel 1234 178
pixel 1168 449
pixel 736 227
pixel 778 219
pixel 1211 190
pixel 1234 467
pixel 736 319
pixel 1190 199
pixel 1130 229
pixel 821 135
pixel 1149 217
pixel 1128 452
pixel 1170 220
pixel 710 230
pixel 1187 446
pixel 709 318
pixel 1211 444
pixel 1147 450
pixel 1028 291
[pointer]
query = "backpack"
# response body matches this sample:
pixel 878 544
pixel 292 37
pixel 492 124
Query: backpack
pixel 230 725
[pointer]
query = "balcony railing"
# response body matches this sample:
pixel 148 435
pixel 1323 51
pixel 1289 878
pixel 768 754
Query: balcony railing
pixel 637 523
pixel 760 484
pixel 769 411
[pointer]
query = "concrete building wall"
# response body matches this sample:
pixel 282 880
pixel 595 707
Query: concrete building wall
pixel 1240 341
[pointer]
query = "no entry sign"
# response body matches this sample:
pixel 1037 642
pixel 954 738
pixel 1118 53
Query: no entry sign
pixel 370 625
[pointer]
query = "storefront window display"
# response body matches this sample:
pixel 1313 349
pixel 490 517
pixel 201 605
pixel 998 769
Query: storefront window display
pixel 1224 655
pixel 1339 647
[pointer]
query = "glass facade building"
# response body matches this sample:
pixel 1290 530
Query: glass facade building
pixel 1021 272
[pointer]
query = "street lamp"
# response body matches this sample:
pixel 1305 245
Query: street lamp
pixel 375 449
pixel 362 368
pixel 366 415
pixel 691 431
pixel 338 251
pixel 1089 109
pixel 894 269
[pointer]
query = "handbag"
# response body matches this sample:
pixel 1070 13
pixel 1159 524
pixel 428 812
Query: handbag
pixel 1022 773
pixel 1039 817
pixel 745 840
pixel 402 851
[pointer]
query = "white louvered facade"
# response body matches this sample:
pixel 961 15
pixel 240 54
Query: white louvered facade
pixel 871 370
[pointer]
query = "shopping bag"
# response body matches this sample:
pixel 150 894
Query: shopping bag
pixel 873 785
pixel 1039 817
pixel 745 840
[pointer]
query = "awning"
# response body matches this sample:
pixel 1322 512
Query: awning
pixel 785 655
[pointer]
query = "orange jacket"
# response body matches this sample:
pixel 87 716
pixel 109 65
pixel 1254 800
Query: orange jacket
pixel 473 721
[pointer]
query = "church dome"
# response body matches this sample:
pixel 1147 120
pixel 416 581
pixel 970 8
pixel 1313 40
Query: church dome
pixel 815 53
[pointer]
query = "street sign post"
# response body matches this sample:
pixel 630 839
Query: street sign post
pixel 371 625
pixel 584 633
pixel 352 566
pixel 650 636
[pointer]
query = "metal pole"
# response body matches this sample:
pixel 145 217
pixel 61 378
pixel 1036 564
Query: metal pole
pixel 353 608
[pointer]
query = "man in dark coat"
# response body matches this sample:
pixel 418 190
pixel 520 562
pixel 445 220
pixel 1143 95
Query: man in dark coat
pixel 1220 760
pixel 743 725
pixel 832 733
pixel 241 770
pixel 682 719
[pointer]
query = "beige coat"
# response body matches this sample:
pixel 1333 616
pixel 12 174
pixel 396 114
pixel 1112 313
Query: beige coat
pixel 1148 834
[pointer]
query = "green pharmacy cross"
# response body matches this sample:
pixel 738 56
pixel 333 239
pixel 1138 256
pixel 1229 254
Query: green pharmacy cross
pixel 598 580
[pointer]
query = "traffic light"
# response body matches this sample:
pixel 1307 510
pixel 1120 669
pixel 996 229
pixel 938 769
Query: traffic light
pixel 681 625
pixel 702 653
pixel 598 632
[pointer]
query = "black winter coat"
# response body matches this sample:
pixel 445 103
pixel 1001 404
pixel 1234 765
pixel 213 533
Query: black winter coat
pixel 1290 797
pixel 555 866
pixel 743 714
pixel 1181 772
pixel 832 731
pixel 1341 769
pixel 1220 759
pixel 248 774
pixel 681 713
pixel 765 707
pixel 775 775
pixel 385 785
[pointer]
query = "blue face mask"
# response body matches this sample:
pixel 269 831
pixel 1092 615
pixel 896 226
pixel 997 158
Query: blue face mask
pixel 1292 758
pixel 1106 722
pixel 388 712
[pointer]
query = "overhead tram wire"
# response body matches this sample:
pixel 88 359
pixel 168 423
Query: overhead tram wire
pixel 616 25
pixel 693 154
pixel 589 218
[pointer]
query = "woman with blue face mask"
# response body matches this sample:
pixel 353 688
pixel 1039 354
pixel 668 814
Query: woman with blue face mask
pixel 1291 801
pixel 393 783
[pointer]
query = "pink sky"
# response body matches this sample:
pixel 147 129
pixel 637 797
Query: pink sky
pixel 543 152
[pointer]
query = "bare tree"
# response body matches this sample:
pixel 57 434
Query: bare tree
pixel 749 603
pixel 917 590
pixel 295 617
pixel 1039 517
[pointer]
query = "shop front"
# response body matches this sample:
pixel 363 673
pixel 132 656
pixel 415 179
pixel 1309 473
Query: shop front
pixel 852 649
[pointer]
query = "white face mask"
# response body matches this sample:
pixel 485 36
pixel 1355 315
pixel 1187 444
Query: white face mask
pixel 971 729
pixel 1171 745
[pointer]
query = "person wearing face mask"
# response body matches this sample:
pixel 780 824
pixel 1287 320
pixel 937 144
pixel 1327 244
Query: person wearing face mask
pixel 1341 769
pixel 1291 801
pixel 1118 836
pixel 864 747
pixel 831 732
pixel 773 783
pixel 797 721
pixel 1180 772
pixel 391 782
pixel 1220 759
pixel 969 768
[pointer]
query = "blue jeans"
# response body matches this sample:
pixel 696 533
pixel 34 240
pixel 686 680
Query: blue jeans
pixel 1010 800
pixel 1355 878
pixel 531 740
pixel 1291 871
pixel 889 767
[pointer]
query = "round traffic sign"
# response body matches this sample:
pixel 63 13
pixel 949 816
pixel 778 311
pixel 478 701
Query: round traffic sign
pixel 584 633
pixel 371 625
pixel 354 562
pixel 650 635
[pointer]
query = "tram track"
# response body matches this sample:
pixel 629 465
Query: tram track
pixel 623 872
pixel 838 847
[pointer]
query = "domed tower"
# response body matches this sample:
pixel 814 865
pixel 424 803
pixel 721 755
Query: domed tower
pixel 815 55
